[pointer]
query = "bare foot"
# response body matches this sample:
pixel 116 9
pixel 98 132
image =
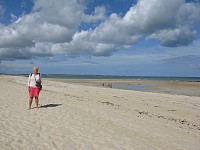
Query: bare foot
pixel 36 108
pixel 29 109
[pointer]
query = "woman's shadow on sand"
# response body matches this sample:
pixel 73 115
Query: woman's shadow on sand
pixel 49 105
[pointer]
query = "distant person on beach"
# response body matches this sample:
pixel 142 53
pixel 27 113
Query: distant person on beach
pixel 34 86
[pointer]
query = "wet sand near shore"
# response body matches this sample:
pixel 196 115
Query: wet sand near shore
pixel 156 86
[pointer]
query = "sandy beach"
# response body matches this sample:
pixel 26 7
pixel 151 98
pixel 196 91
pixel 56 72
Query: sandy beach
pixel 82 117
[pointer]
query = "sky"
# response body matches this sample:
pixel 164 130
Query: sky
pixel 101 37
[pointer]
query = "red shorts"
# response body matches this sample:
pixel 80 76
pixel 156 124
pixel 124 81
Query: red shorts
pixel 34 92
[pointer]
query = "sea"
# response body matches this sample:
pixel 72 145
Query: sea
pixel 166 78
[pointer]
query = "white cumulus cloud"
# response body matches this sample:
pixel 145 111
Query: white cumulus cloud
pixel 174 37
pixel 150 15
pixel 11 38
pixel 98 14
pixel 156 19
pixel 52 27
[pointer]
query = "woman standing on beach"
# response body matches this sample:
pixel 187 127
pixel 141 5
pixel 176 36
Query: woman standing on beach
pixel 34 86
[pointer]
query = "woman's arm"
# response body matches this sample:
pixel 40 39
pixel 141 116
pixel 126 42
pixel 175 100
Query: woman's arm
pixel 29 80
pixel 40 78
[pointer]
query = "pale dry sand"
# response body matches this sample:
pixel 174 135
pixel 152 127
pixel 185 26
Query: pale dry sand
pixel 89 118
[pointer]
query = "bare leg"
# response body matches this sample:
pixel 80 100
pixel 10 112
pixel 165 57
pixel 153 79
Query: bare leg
pixel 36 102
pixel 30 102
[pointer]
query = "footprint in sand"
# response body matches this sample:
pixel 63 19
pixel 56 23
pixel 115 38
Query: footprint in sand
pixel 40 128
pixel 38 134
pixel 54 144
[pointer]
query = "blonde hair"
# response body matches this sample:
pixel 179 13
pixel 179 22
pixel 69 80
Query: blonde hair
pixel 35 68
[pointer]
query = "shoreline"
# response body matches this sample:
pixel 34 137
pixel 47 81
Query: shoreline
pixel 114 77
pixel 156 86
